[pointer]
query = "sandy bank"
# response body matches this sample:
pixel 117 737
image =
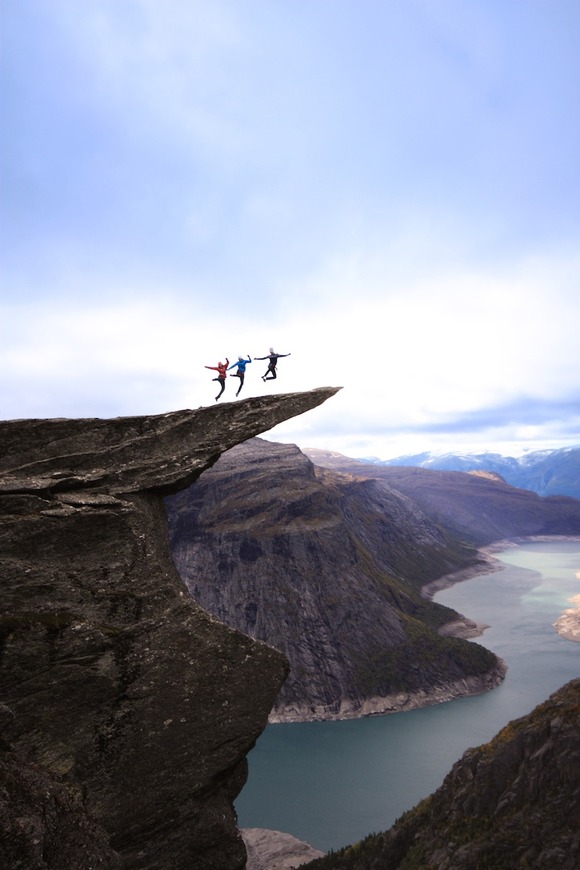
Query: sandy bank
pixel 568 625
pixel 488 564
pixel 399 702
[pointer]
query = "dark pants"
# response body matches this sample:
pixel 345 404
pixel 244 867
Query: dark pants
pixel 222 382
pixel 239 375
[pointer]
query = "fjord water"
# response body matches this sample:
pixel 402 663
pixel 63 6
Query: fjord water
pixel 332 783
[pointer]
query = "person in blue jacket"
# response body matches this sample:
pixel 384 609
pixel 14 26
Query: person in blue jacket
pixel 241 363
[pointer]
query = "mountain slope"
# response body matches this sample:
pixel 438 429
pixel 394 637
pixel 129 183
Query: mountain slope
pixel 545 472
pixel 513 802
pixel 479 508
pixel 327 568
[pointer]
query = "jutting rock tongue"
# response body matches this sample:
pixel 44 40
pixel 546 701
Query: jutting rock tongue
pixel 118 687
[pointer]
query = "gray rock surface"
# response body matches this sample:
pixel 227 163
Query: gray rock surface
pixel 43 822
pixel 274 850
pixel 119 690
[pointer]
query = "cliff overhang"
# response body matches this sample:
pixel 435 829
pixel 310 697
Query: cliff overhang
pixel 116 686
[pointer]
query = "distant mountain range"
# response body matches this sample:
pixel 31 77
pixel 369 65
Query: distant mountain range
pixel 545 472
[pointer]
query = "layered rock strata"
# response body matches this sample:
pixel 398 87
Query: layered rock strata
pixel 133 706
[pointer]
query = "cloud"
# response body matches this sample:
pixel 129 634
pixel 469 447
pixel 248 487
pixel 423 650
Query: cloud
pixel 391 196
pixel 457 353
pixel 466 355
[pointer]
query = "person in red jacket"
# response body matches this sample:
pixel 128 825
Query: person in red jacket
pixel 221 369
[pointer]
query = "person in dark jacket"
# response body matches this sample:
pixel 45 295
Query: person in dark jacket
pixel 273 362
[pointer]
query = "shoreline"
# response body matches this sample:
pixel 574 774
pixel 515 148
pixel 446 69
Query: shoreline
pixel 568 626
pixel 463 626
pixel 399 702
pixel 568 623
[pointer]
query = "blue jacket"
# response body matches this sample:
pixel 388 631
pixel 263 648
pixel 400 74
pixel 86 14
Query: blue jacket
pixel 241 364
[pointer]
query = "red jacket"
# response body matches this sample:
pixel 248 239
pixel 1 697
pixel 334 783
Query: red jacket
pixel 221 368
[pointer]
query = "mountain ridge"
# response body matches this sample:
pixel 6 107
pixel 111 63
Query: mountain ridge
pixel 477 508
pixel 315 533
pixel 545 472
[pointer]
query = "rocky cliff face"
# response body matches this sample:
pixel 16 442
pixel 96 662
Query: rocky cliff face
pixel 328 568
pixel 514 802
pixel 475 508
pixel 127 709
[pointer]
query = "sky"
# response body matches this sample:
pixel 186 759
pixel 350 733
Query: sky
pixel 388 190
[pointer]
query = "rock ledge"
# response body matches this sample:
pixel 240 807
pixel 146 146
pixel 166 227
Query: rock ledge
pixel 123 698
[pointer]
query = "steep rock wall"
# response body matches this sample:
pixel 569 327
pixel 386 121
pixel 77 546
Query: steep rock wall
pixel 328 569
pixel 118 689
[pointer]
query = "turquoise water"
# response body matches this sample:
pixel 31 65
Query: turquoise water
pixel 332 783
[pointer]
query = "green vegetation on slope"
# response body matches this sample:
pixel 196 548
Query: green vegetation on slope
pixel 424 658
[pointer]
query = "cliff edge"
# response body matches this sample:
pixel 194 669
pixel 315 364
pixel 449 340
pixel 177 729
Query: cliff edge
pixel 127 710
